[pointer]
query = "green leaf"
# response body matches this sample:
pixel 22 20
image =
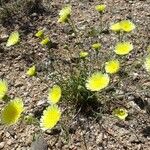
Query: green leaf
pixel 13 39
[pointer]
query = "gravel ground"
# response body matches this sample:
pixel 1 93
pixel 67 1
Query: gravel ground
pixel 82 132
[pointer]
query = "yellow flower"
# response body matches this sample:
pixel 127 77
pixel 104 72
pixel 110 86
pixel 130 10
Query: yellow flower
pixel 13 39
pixel 112 66
pixel 100 8
pixel 147 63
pixel 96 46
pixel 97 81
pixel 127 25
pixel 83 54
pixel 64 14
pixel 124 25
pixel 115 27
pixel 40 33
pixel 3 88
pixel 12 112
pixel 123 48
pixel 50 117
pixel 45 41
pixel 121 113
pixel 54 94
pixel 31 71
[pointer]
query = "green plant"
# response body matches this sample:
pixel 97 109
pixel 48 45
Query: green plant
pixel 95 75
pixel 101 8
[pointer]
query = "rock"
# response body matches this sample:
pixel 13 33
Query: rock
pixel 67 1
pixel 34 14
pixel 1 137
pixel 99 138
pixel 39 144
pixel 7 134
pixel 3 37
pixel 41 102
pixel 18 83
pixel 131 98
pixel 24 148
pixel 133 106
pixel 2 144
pixel 29 140
pixel 9 142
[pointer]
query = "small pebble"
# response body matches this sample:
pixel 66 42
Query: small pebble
pixel 2 144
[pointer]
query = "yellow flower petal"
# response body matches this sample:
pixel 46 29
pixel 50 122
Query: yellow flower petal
pixel 45 41
pixel 12 112
pixel 64 14
pixel 50 117
pixel 127 25
pixel 147 63
pixel 124 25
pixel 83 54
pixel 112 66
pixel 31 71
pixel 123 48
pixel 3 88
pixel 100 8
pixel 97 81
pixel 13 39
pixel 40 33
pixel 121 113
pixel 115 27
pixel 54 94
pixel 96 46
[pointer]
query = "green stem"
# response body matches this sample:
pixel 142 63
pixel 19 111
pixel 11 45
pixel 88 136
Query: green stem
pixel 101 23
pixel 120 36
pixel 74 28
pixel 97 58
pixel 66 131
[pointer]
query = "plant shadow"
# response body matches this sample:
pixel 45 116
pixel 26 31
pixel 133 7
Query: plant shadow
pixel 146 132
pixel 89 105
